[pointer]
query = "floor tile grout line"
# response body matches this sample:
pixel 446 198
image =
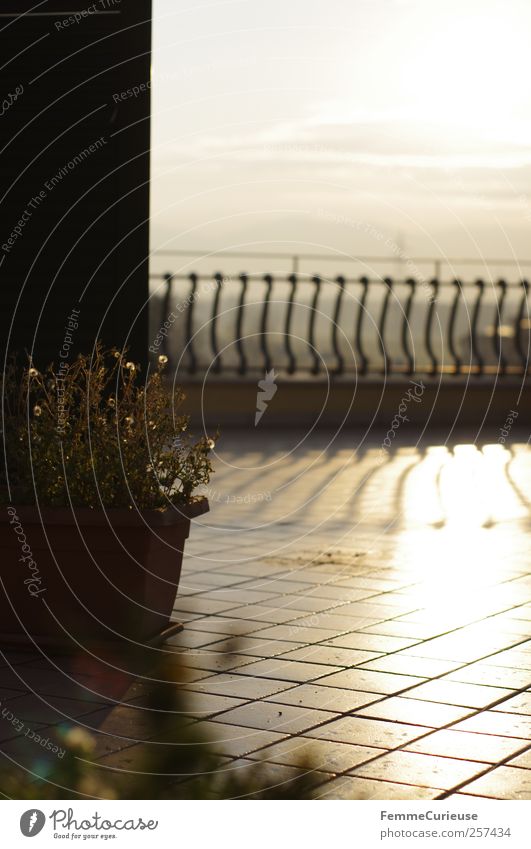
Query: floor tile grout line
pixel 365 599
pixel 313 586
pixel 384 697
pixel 303 615
pixel 447 727
pixel 376 593
pixel 420 642
pixel 316 681
pixel 491 768
pixel 383 781
pixel 474 712
pixel 386 751
pixel 281 575
pixel 347 714
pixel 325 644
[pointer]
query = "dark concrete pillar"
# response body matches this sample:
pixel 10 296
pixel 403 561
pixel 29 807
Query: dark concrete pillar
pixel 74 175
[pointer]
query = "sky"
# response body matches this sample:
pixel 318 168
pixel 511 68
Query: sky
pixel 355 126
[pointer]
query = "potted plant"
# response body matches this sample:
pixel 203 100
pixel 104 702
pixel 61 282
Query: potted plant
pixel 97 498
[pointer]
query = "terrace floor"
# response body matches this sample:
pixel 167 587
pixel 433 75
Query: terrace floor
pixel 367 610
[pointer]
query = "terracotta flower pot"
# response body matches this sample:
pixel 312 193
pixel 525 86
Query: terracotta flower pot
pixel 84 575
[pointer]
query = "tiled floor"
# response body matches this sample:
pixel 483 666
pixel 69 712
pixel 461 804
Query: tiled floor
pixel 371 616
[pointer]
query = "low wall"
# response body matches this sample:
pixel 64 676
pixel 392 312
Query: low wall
pixel 475 403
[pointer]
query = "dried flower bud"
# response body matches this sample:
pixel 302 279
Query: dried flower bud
pixel 33 372
pixel 37 411
pixel 211 444
pixel 163 359
pixel 130 366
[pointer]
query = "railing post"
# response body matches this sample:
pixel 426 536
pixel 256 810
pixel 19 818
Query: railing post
pixel 216 367
pixel 242 368
pixel 429 326
pixel 311 326
pixel 498 323
pixel 451 327
pixel 523 311
pixel 335 344
pixel 165 312
pixel 364 362
pixel 192 359
pixel 268 280
pixel 406 329
pixel 387 362
pixel 476 353
pixel 287 329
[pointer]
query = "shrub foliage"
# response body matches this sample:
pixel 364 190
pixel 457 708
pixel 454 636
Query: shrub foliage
pixel 97 435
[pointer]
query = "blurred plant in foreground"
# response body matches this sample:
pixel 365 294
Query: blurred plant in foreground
pixel 177 761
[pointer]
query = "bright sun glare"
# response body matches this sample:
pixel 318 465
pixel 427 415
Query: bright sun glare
pixel 468 68
pixel 463 68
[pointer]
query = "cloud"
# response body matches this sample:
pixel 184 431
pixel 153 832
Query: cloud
pixel 381 143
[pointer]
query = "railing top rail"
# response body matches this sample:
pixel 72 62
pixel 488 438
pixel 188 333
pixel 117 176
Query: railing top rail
pixel 341 256
pixel 307 277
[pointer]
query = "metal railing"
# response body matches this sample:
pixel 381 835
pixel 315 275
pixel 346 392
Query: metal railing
pixel 329 328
